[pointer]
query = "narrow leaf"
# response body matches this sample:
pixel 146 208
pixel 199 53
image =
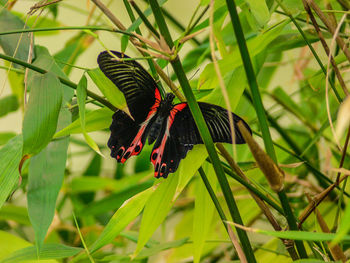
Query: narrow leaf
pixel 124 215
pixel 8 104
pixel 41 116
pixel 158 204
pixel 203 214
pixel 108 89
pixel 154 250
pixel 13 43
pixel 49 251
pixel 81 96
pixel 95 120
pixel 10 156
pixel 46 172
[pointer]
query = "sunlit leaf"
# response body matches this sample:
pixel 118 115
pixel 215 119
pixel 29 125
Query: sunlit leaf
pixel 8 104
pixel 124 215
pixel 49 251
pixel 41 116
pixel 10 156
pixel 16 45
pixel 107 87
pixel 81 96
pixel 94 121
pixel 158 204
pixel 203 213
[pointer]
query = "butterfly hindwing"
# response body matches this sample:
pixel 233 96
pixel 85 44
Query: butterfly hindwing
pixel 181 133
pixel 168 151
pixel 139 88
pixel 216 118
pixel 127 136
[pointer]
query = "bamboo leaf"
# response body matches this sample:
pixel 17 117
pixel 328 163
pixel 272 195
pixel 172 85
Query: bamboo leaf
pixel 95 120
pixel 16 45
pixel 189 166
pixel 203 214
pixel 8 104
pixel 107 87
pixel 158 204
pixel 46 170
pixel 10 156
pixel 161 247
pixel 124 215
pixel 41 116
pixel 49 251
pixel 233 60
pixel 10 243
pixel 81 97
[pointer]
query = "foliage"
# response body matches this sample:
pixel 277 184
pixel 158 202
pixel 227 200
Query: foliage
pixel 62 198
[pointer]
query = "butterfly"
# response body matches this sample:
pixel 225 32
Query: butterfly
pixel 170 126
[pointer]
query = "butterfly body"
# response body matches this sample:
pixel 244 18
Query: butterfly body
pixel 171 127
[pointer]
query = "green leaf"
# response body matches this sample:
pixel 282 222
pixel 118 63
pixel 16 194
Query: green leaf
pixel 41 116
pixel 115 200
pixel 81 97
pixel 12 43
pixel 8 104
pixel 10 243
pixel 6 136
pixel 158 204
pixel 46 171
pixel 189 166
pixel 107 87
pixel 260 11
pixel 343 227
pixel 49 251
pixel 233 60
pixel 156 249
pixel 124 215
pixel 10 156
pixel 203 213
pixel 15 213
pixel 94 121
pixel 235 83
pixel 300 235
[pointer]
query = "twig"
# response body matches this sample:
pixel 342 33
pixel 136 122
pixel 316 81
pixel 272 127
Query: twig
pixel 330 27
pixel 326 48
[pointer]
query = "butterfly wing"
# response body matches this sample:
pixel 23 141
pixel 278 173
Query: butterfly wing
pixel 139 88
pixel 216 118
pixel 128 135
pixel 181 133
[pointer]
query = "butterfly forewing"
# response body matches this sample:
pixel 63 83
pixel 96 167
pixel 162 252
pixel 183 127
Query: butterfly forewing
pixel 140 90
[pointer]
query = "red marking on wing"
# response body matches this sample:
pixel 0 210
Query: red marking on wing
pixel 157 154
pixel 137 145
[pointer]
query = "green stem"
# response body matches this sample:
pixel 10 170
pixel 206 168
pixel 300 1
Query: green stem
pixel 213 197
pixel 204 132
pixel 251 188
pixel 291 222
pixel 62 80
pixel 259 108
pixel 144 19
pixel 138 31
pixel 92 28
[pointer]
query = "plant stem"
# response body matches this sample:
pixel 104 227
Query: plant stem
pixel 204 132
pixel 247 63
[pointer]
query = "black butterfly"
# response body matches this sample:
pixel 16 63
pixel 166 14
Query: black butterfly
pixel 172 127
